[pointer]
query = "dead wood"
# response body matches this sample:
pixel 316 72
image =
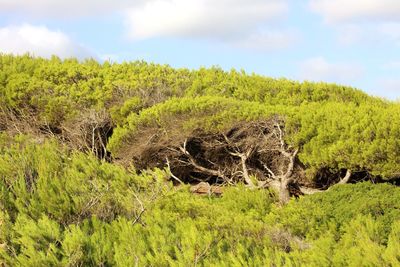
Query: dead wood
pixel 253 152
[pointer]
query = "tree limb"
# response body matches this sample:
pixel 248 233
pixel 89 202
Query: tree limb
pixel 346 178
pixel 199 167
pixel 243 158
pixel 170 172
pixel 309 191
pixel 292 158
pixel 142 209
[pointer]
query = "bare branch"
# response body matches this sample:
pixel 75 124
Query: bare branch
pixel 292 158
pixel 93 138
pixel 346 178
pixel 243 158
pixel 270 172
pixel 309 191
pixel 102 143
pixel 48 128
pixel 170 172
pixel 197 166
pixel 142 208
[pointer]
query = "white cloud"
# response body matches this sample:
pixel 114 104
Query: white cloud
pixel 318 69
pixel 367 33
pixel 340 11
pixel 65 8
pixel 233 21
pixel 270 40
pixel 39 41
pixel 242 23
pixel 361 21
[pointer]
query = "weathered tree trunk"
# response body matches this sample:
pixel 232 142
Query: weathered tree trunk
pixel 281 188
pixel 284 194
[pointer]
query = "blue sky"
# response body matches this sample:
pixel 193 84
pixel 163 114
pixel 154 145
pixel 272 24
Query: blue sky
pixel 351 42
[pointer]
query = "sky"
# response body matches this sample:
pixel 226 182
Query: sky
pixel 349 42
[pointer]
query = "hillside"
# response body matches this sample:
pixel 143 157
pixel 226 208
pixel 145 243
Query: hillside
pixel 139 164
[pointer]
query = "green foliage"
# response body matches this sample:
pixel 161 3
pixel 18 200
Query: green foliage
pixel 81 211
pixel 334 126
pixel 330 135
pixel 314 215
pixel 183 115
pixel 347 136
pixel 37 241
pixel 56 89
pixel 392 253
pixel 68 186
pixel 65 207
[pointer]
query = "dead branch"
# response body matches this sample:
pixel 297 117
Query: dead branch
pixel 171 174
pixel 281 182
pixel 280 136
pixel 309 191
pixel 199 167
pixel 243 158
pixel 346 178
pixel 292 158
pixel 142 209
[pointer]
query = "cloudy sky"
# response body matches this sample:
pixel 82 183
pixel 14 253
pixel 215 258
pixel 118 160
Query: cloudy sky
pixel 351 42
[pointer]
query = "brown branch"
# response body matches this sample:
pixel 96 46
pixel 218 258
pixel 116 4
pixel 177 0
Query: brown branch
pixel 199 167
pixel 171 174
pixel 93 139
pixel 243 158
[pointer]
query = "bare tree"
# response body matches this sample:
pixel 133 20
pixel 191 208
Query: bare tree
pixel 90 133
pixel 240 149
pixel 255 153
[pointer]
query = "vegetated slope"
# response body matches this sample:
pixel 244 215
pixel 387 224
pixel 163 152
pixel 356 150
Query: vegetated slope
pixel 65 208
pixel 92 155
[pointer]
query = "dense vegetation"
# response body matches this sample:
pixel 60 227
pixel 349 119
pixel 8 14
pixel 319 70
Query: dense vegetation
pixel 99 165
